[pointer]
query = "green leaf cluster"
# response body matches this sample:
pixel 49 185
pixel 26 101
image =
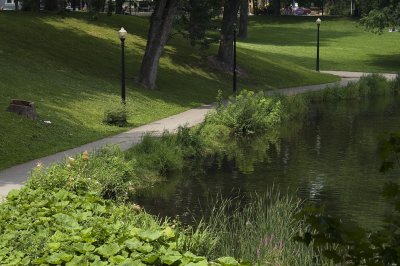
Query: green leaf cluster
pixel 248 113
pixel 60 227
pixel 107 172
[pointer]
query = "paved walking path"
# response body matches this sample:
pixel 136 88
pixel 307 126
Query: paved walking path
pixel 14 177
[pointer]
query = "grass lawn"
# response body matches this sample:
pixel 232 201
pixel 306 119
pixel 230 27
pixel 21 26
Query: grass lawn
pixel 70 68
pixel 344 44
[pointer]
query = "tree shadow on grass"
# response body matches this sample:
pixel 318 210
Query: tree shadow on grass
pixel 293 36
pixel 299 31
pixel 73 55
pixel 133 24
pixel 390 63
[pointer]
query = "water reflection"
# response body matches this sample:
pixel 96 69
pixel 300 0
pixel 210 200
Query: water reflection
pixel 331 158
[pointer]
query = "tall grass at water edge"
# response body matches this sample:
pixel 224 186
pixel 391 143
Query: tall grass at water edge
pixel 368 86
pixel 295 107
pixel 260 231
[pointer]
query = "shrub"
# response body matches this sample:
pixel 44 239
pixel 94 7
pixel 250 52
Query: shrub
pixel 59 227
pixel 190 142
pixel 248 113
pixel 157 155
pixel 41 226
pixel 105 172
pixel 117 117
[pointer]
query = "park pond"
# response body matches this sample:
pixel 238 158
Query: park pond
pixel 332 158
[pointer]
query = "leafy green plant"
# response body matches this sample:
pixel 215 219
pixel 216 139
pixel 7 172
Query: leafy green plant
pixel 247 113
pixel 60 227
pixel 105 172
pixel 157 155
pixel 190 142
pixel 116 117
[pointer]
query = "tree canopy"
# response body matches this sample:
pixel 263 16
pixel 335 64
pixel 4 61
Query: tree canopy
pixel 385 13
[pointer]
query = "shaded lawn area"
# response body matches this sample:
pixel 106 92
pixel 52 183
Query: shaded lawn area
pixel 70 68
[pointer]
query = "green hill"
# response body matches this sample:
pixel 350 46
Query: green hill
pixel 70 68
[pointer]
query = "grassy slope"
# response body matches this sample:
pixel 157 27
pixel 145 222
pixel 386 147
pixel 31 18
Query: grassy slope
pixel 70 69
pixel 344 44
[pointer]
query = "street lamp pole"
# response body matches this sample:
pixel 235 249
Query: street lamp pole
pixel 122 36
pixel 234 60
pixel 318 25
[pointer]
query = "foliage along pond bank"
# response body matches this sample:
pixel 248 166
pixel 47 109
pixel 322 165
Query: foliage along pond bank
pixel 79 212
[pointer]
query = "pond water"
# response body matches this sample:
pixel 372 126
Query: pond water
pixel 332 159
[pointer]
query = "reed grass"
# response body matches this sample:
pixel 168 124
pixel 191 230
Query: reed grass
pixel 259 230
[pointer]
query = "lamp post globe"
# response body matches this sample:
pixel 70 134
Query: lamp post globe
pixel 122 33
pixel 318 25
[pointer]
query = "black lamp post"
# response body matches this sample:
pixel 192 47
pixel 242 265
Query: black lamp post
pixel 318 25
pixel 234 59
pixel 122 36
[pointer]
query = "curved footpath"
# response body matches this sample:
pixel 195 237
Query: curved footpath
pixel 14 177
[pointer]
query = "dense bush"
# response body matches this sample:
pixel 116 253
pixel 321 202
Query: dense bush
pixel 105 172
pixel 158 154
pixel 117 116
pixel 248 113
pixel 60 227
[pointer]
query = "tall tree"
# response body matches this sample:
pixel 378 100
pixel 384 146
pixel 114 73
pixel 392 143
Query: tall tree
pixel 276 4
pixel 160 28
pixel 16 3
pixel 225 51
pixel 118 6
pixel 244 18
pixel 385 14
pixel 196 19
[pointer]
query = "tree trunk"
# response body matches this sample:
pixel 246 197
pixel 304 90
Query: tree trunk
pixel 60 5
pixel 16 2
pixel 160 29
pixel 50 5
pixel 244 17
pixel 322 7
pixel 118 6
pixel 225 51
pixel 277 7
